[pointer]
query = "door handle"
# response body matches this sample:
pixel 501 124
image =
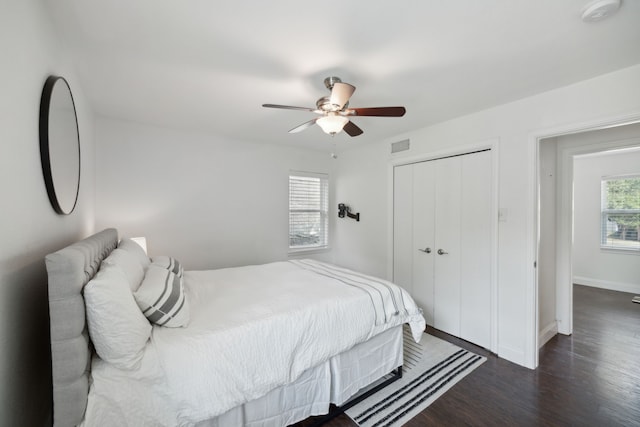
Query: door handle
pixel 441 252
pixel 425 250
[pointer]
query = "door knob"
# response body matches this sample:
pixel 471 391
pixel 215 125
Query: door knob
pixel 441 252
pixel 425 250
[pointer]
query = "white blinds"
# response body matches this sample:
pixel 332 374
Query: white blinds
pixel 308 210
pixel 620 219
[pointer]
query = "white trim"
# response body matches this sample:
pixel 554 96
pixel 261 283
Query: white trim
pixel 512 354
pixel 620 250
pixel 307 174
pixel 495 208
pixel 531 290
pixel 390 169
pixel 565 308
pixel 550 331
pixel 493 145
pixel 632 288
pixel 622 176
pixel 564 244
pixel 300 252
pixel 489 144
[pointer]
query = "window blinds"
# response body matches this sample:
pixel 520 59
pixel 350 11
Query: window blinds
pixel 308 210
pixel 620 212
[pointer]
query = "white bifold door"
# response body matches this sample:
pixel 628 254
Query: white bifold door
pixel 442 241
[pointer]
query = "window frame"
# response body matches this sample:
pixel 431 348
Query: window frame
pixel 323 212
pixel 605 212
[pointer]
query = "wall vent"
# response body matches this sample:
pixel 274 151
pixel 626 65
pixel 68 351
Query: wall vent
pixel 399 146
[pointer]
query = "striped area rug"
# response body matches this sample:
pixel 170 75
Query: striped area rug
pixel 431 367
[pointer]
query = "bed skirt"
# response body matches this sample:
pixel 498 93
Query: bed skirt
pixel 334 381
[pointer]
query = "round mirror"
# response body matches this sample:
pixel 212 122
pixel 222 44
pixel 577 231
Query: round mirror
pixel 59 145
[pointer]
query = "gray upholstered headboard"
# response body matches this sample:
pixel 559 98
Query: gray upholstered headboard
pixel 68 270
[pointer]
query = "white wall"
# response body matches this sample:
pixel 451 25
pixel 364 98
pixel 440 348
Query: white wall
pixel 362 184
pixel 29 227
pixel 364 181
pixel 208 201
pixel 593 266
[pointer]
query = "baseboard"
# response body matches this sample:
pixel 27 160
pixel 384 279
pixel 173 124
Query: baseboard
pixel 632 288
pixel 550 331
pixel 513 355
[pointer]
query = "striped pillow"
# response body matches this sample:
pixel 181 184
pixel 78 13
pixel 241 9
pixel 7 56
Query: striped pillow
pixel 169 263
pixel 162 299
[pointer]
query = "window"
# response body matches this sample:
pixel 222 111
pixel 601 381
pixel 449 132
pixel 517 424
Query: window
pixel 308 210
pixel 620 213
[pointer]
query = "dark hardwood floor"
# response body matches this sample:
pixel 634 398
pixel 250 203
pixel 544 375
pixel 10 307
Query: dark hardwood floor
pixel 591 378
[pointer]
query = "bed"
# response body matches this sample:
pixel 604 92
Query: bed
pixel 265 345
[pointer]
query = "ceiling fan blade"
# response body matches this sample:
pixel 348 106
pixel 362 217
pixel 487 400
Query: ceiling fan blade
pixel 378 111
pixel 288 107
pixel 351 129
pixel 303 126
pixel 340 93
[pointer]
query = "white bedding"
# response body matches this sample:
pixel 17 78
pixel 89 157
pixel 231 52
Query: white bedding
pixel 252 329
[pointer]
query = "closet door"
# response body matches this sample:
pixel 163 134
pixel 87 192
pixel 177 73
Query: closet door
pixel 423 230
pixel 447 245
pixel 475 251
pixel 442 242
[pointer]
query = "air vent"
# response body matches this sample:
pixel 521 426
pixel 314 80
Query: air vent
pixel 399 146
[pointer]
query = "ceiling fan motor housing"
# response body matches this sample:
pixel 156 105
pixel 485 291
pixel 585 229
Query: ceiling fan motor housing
pixel 324 104
pixel 329 81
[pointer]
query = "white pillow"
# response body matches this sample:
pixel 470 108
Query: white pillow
pixel 169 263
pixel 136 250
pixel 162 299
pixel 128 264
pixel 117 328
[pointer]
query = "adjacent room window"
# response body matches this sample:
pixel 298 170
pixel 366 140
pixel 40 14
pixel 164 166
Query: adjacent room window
pixel 308 210
pixel 620 219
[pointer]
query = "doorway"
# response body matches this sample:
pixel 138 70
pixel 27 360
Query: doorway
pixel 555 221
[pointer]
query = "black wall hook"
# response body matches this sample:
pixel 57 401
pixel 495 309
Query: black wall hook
pixel 344 210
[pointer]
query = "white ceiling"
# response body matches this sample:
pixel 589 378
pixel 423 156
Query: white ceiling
pixel 209 65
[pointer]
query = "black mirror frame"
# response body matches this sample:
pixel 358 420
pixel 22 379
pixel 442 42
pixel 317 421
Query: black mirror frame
pixel 45 157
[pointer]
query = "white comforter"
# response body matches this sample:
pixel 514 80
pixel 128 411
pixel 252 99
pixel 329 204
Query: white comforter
pixel 252 329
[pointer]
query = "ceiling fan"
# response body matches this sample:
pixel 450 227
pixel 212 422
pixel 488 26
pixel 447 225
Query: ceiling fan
pixel 334 112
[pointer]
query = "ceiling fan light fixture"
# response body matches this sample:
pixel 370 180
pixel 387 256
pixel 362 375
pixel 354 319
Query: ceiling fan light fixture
pixel 332 123
pixel 598 10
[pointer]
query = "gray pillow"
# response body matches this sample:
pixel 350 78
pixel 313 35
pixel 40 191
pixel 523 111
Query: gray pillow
pixel 127 263
pixel 136 250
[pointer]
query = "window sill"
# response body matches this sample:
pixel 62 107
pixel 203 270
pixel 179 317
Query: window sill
pixel 616 250
pixel 308 251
